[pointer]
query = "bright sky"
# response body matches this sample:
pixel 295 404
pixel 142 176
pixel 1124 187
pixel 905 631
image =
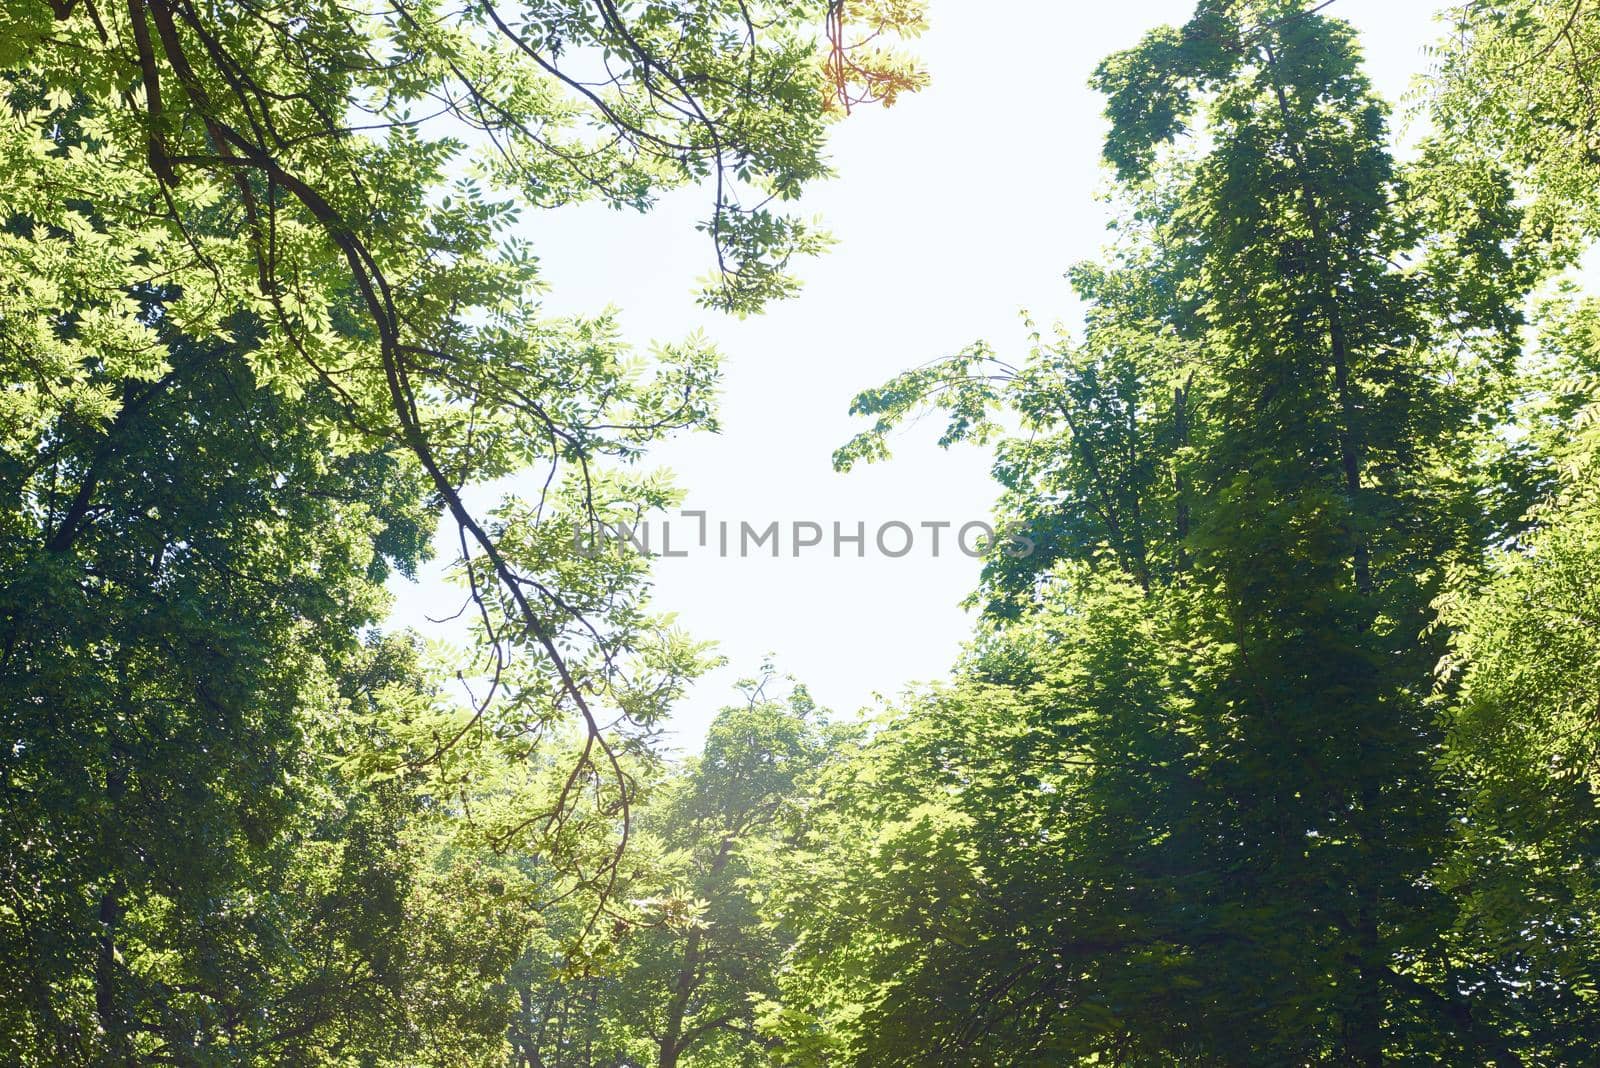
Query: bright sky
pixel 953 211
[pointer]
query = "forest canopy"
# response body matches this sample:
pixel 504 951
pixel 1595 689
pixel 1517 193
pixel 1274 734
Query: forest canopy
pixel 1282 747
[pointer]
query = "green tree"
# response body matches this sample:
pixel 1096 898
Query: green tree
pixel 1519 701
pixel 1001 874
pixel 1514 88
pixel 188 875
pixel 263 321
pixel 307 170
pixel 730 815
pixel 686 974
pixel 1270 432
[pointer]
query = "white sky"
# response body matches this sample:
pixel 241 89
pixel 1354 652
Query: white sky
pixel 953 211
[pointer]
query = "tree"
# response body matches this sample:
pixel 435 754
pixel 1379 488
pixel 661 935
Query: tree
pixel 1523 738
pixel 999 874
pixel 306 170
pixel 730 815
pixel 188 874
pixel 263 323
pixel 1102 468
pixel 1518 699
pixel 1514 87
pixel 682 983
pixel 1288 543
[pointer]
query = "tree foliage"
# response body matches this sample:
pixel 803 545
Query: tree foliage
pixel 265 319
pixel 1257 473
pixel 1279 749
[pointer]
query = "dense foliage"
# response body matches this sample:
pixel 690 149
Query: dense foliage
pixel 1280 749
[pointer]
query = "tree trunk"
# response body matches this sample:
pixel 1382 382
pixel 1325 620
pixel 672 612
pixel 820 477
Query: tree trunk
pixel 672 1037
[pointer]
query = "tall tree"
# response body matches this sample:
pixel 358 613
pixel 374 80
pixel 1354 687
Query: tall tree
pixel 263 322
pixel 1328 394
pixel 307 169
